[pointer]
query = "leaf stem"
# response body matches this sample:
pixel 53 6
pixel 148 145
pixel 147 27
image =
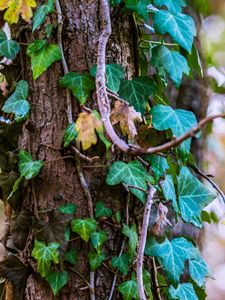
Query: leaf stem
pixel 159 43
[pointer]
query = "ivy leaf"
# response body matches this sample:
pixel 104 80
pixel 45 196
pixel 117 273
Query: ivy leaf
pixel 71 256
pixel 179 121
pixel 198 270
pixel 102 211
pixel 70 134
pixel 43 58
pixel 57 280
pixel 193 197
pixel 69 208
pixel 126 116
pixel 132 173
pixel 131 233
pixel 95 260
pixel 28 167
pixel 181 27
pixel 169 191
pixel 172 5
pixel 184 291
pixel 16 8
pixel 8 48
pixel 114 74
pixel 45 254
pixel 129 289
pixel 122 263
pixel 41 13
pixel 84 227
pixel 80 85
pixel 173 62
pixel 86 125
pixel 147 283
pixel 158 165
pixel 172 255
pixel 137 92
pixel 139 6
pixel 98 239
pixel 17 103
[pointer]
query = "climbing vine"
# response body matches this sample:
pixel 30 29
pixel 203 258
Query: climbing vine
pixel 158 170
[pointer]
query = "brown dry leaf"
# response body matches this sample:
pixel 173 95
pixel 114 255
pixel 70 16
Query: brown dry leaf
pixel 125 115
pixel 3 85
pixel 86 125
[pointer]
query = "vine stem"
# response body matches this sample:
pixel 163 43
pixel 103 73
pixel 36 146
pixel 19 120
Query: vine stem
pixel 104 103
pixel 141 249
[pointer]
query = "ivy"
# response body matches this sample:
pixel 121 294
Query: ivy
pixel 84 227
pixel 8 48
pixel 70 134
pixel 95 260
pixel 41 14
pixel 184 291
pixel 128 289
pixel 172 5
pixel 57 280
pixel 28 167
pixel 122 263
pixel 102 211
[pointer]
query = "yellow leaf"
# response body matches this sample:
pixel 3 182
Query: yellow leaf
pixel 86 125
pixel 125 115
pixel 15 8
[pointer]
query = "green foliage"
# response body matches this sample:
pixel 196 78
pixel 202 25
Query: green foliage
pixel 172 5
pixel 122 263
pixel 42 56
pixel 129 289
pixel 137 92
pixel 184 291
pixel 181 27
pixel 95 260
pixel 173 63
pixel 132 173
pixel 98 239
pixel 173 256
pixel 84 227
pixel 17 103
pixel 102 211
pixel 57 280
pixel 71 256
pixel 179 121
pixel 193 197
pixel 131 233
pixel 45 254
pixel 158 165
pixel 69 208
pixel 8 48
pixel 80 85
pixel 70 134
pixel 41 13
pixel 169 191
pixel 139 6
pixel 28 167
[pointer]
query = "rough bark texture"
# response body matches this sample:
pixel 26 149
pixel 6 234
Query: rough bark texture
pixel 42 135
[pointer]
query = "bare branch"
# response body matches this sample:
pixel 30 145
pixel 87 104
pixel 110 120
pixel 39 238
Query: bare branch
pixel 84 157
pixel 144 231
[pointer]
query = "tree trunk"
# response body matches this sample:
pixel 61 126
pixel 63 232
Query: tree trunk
pixel 42 135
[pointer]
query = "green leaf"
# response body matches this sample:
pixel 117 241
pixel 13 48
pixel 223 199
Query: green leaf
pixel 45 255
pixel 118 217
pixel 102 211
pixel 57 280
pixel 172 5
pixel 137 92
pixel 132 173
pixel 8 48
pixel 95 260
pixel 80 85
pixel 41 13
pixel 28 167
pixel 173 63
pixel 193 196
pixel 169 191
pixel 131 233
pixel 114 74
pixel 71 256
pixel 139 6
pixel 98 239
pixel 184 291
pixel 70 134
pixel 36 46
pixel 84 227
pixel 69 208
pixel 147 283
pixel 17 103
pixel 172 255
pixel 198 270
pixel 180 121
pixel 181 27
pixel 122 263
pixel 129 289
pixel 42 59
pixel 158 165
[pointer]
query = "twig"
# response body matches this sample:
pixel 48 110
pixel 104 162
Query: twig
pixel 115 96
pixel 64 63
pixel 144 231
pixel 128 186
pixel 199 172
pixel 80 275
pixel 84 157
pixel 155 283
pixel 59 158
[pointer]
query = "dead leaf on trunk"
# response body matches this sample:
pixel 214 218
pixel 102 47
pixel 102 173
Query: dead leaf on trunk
pixel 126 116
